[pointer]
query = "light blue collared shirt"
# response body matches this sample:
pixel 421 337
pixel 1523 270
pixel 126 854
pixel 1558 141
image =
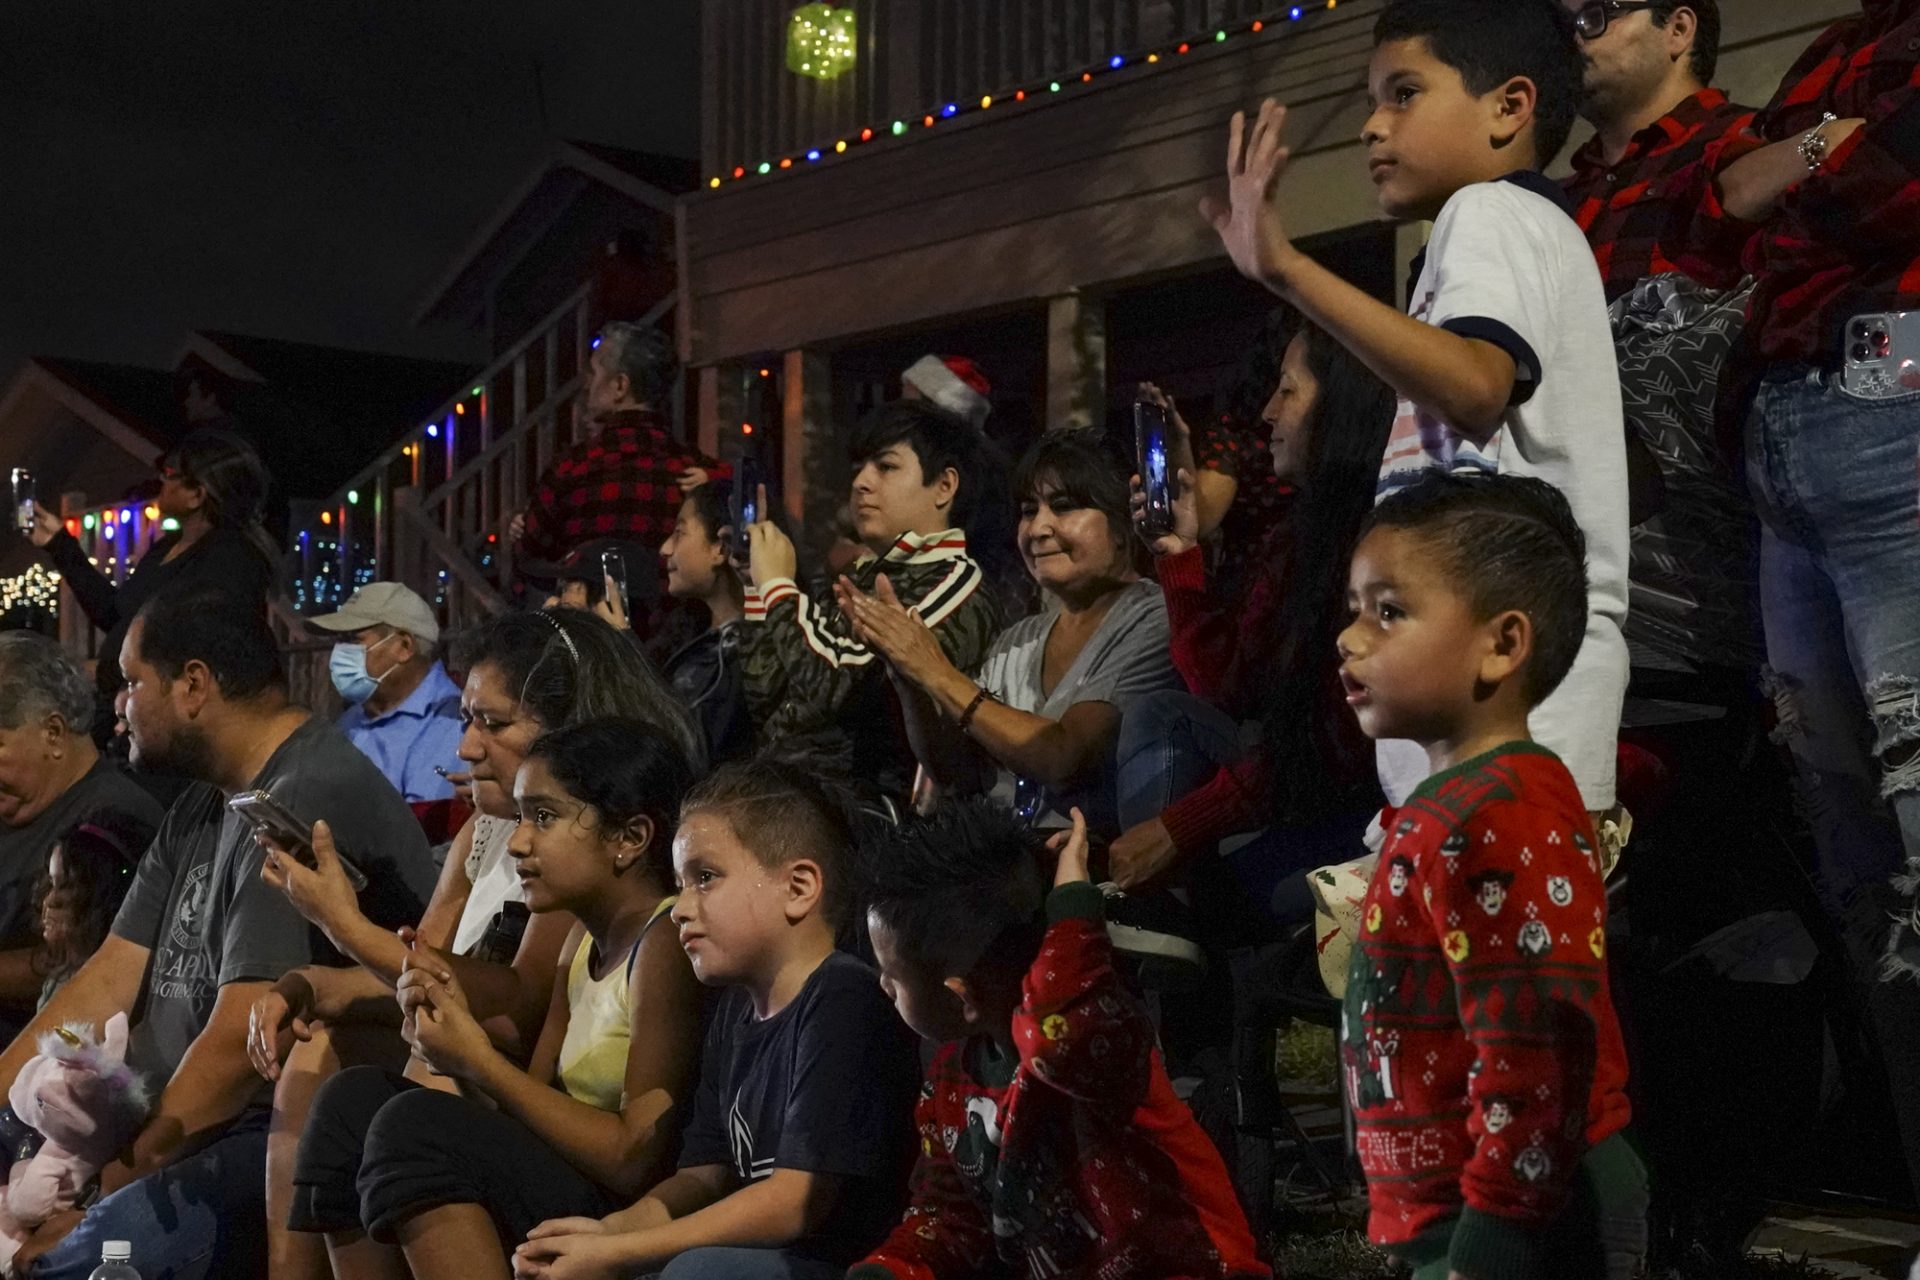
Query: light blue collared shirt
pixel 409 740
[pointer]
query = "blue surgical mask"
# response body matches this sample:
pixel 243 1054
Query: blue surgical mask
pixel 348 667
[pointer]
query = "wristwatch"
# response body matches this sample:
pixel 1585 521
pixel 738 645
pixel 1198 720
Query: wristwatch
pixel 1814 144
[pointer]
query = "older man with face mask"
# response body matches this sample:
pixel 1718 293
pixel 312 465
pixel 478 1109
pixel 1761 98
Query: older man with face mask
pixel 403 711
pixel 52 777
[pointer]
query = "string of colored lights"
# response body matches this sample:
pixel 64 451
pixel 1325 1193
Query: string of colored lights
pixel 1032 93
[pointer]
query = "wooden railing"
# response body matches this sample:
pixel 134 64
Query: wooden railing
pixel 430 511
pixel 913 57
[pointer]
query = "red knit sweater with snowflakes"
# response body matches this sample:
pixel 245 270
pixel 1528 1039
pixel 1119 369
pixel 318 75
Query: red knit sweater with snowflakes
pixel 1077 1161
pixel 1480 1047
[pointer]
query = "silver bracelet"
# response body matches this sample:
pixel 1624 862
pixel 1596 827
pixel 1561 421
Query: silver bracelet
pixel 1814 145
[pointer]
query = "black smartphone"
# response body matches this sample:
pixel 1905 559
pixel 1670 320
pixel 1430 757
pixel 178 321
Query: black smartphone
pixel 746 507
pixel 613 563
pixel 1150 429
pixel 265 814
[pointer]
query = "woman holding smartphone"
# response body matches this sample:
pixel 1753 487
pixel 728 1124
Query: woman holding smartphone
pixel 214 486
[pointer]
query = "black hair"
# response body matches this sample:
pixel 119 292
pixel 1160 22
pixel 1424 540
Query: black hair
pixel 98 857
pixel 1352 416
pixel 229 472
pixel 647 357
pixel 961 891
pixel 566 666
pixel 221 628
pixel 781 812
pixel 938 439
pixel 1507 542
pixel 1489 42
pixel 712 507
pixel 1704 59
pixel 626 769
pixel 1083 468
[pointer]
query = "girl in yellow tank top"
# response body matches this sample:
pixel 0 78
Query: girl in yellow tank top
pixel 597 805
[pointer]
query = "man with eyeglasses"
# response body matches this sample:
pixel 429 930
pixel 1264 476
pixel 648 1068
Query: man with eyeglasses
pixel 1648 68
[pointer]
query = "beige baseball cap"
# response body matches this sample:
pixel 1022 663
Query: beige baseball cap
pixel 383 604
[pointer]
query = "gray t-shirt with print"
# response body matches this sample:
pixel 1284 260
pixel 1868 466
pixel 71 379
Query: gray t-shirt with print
pixel 199 904
pixel 1128 656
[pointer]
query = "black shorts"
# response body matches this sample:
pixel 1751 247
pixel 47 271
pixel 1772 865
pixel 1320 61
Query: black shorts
pixel 379 1149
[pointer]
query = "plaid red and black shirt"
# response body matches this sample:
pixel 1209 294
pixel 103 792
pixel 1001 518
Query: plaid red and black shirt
pixel 1629 208
pixel 1845 240
pixel 622 483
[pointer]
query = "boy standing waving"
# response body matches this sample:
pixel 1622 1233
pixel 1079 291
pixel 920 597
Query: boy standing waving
pixel 1505 363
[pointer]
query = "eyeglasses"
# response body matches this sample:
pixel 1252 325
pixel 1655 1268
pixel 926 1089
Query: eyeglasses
pixel 1590 21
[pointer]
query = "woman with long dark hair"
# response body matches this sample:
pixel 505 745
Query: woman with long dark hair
pixel 214 486
pixel 1187 781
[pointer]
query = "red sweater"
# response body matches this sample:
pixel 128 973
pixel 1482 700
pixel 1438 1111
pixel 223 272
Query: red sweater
pixel 1078 1161
pixel 1219 649
pixel 1479 1043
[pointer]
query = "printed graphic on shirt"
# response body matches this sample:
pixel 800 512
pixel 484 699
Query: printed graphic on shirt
pixel 740 1135
pixel 1422 441
pixel 183 970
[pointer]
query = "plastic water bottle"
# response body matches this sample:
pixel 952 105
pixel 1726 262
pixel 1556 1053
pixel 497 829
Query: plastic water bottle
pixel 114 1264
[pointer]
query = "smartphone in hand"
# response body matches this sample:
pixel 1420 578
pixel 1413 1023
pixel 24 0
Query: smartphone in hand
pixel 746 508
pixel 1150 431
pixel 269 817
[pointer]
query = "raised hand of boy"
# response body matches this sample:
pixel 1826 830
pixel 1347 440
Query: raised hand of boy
pixel 1072 848
pixel 1249 223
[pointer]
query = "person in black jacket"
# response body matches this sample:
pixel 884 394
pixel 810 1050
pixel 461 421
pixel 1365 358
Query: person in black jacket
pixel 214 485
pixel 705 670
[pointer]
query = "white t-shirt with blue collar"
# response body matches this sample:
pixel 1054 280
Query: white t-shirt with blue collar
pixel 1507 264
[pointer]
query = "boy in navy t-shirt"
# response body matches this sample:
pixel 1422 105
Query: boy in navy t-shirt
pixel 795 1159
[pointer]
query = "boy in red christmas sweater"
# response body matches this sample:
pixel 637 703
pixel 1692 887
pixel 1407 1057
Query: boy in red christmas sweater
pixel 1052 1143
pixel 1480 1049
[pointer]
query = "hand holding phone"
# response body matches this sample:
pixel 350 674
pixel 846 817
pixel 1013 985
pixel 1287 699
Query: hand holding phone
pixel 613 563
pixel 272 820
pixel 1151 430
pixel 749 491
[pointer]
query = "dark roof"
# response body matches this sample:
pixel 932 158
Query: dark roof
pixel 527 218
pixel 142 398
pixel 320 413
pixel 676 175
pixel 402 389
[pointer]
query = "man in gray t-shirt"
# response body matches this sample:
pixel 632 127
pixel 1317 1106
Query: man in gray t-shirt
pixel 200 936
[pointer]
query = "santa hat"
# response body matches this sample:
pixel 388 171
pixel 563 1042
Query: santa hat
pixel 956 384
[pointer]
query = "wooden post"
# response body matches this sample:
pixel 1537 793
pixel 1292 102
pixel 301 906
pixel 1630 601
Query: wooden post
pixel 813 471
pixel 707 413
pixel 1076 362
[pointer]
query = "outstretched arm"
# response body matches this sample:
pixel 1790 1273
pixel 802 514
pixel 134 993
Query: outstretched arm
pixel 1467 381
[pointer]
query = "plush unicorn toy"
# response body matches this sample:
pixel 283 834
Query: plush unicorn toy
pixel 88 1104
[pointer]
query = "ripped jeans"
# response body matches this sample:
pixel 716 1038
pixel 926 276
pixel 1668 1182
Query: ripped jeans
pixel 1836 483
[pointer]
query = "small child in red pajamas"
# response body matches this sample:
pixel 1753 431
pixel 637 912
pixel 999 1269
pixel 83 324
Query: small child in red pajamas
pixel 1479 1044
pixel 1051 1141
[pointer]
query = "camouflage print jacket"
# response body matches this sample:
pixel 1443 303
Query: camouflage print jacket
pixel 815 690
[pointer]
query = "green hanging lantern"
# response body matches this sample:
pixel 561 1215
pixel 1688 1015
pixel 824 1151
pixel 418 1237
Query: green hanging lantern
pixel 822 41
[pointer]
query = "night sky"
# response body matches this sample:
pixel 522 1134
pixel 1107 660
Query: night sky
pixel 299 171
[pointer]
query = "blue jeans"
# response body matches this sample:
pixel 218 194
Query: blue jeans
pixel 1836 482
pixel 1170 743
pixel 201 1218
pixel 749 1264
